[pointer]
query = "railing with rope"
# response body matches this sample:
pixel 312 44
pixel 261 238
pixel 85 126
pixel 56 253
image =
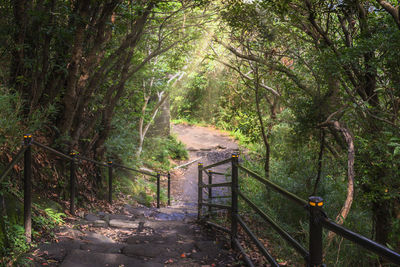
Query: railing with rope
pixel 317 218
pixel 25 152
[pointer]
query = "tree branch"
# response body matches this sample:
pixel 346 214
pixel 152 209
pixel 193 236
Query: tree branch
pixel 393 11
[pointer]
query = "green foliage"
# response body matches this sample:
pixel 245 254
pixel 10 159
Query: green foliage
pixel 13 124
pixel 19 245
pixel 157 152
pixel 15 233
pixel 51 219
pixel 336 61
pixel 176 149
pixel 10 120
pixel 332 62
pixel 189 104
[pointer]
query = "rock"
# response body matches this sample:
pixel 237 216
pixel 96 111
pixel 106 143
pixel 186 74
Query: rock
pixel 120 217
pixel 124 224
pixel 102 214
pixel 96 238
pixel 141 227
pixel 100 223
pixel 206 245
pixel 91 217
pixel 144 250
pixel 156 238
pixel 57 251
pixel 139 211
pixel 206 250
pixel 103 247
pixel 81 258
pixel 68 234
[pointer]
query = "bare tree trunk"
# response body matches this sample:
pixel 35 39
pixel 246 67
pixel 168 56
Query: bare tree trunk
pixel 141 122
pixel 143 131
pixel 350 173
pixel 264 135
pixel 320 155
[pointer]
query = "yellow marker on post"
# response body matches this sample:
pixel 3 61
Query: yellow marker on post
pixel 316 202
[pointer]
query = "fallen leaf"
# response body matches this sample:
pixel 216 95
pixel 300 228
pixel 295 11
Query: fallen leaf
pixel 169 261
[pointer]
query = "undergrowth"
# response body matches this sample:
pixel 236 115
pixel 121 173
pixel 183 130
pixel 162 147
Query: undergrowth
pixel 285 171
pixel 13 245
pixel 158 153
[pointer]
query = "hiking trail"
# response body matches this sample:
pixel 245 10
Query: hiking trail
pixel 142 236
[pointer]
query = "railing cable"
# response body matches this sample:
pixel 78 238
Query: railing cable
pixel 15 160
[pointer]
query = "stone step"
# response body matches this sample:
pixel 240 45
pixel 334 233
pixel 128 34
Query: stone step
pixel 133 216
pixel 117 223
pixel 108 248
pixel 91 237
pixel 137 237
pixel 82 258
pixel 160 251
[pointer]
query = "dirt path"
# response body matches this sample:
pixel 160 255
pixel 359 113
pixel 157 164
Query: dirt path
pixel 208 144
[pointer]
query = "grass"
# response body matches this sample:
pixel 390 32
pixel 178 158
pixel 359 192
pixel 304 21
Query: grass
pixel 186 121
pixel 158 153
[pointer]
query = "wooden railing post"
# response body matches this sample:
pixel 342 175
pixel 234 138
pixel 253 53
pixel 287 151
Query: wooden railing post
pixel 72 183
pixel 200 190
pixel 235 189
pixel 315 204
pixel 158 190
pixel 209 190
pixel 169 189
pixel 110 181
pixel 28 188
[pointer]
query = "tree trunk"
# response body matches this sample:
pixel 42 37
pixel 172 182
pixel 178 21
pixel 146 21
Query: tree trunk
pixel 265 136
pixel 143 130
pixel 350 174
pixel 320 155
pixel 70 97
pixel 382 220
pixel 141 122
pixel 17 69
pixel 3 214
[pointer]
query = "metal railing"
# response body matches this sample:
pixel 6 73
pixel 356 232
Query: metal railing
pixel 26 153
pixel 317 219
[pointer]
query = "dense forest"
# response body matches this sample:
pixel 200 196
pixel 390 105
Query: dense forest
pixel 310 88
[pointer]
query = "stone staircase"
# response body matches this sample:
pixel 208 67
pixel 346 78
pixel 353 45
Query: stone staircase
pixel 137 237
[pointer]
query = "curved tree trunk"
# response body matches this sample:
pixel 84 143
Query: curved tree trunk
pixel 350 173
